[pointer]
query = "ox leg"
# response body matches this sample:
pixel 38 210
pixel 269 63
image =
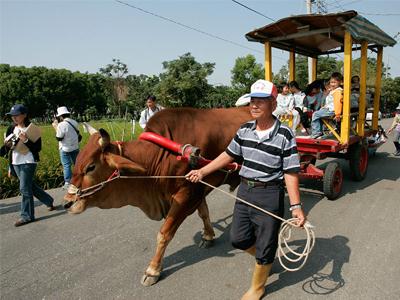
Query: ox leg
pixel 174 219
pixel 208 231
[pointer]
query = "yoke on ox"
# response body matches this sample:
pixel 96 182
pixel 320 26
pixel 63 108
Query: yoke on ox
pixel 172 199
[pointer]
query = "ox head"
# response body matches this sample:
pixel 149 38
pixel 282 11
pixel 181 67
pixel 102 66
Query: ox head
pixel 96 162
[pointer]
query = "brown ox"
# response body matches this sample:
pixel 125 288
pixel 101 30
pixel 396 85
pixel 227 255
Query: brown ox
pixel 172 199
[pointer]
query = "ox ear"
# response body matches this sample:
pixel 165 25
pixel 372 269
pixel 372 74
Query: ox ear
pixel 104 141
pixel 88 128
pixel 121 163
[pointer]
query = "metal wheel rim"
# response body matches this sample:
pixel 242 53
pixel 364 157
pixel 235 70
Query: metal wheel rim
pixel 337 181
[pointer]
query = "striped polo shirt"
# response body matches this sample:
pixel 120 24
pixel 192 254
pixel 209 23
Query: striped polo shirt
pixel 268 158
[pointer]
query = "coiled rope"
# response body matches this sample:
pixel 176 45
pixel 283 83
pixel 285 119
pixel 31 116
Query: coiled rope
pixel 284 236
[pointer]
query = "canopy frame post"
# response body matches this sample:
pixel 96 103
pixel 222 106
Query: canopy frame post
pixel 363 89
pixel 292 65
pixel 377 95
pixel 314 61
pixel 268 61
pixel 345 125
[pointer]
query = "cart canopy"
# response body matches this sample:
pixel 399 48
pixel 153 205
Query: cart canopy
pixel 315 34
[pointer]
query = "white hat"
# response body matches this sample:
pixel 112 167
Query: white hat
pixel 62 111
pixel 263 89
pixel 398 107
pixel 243 100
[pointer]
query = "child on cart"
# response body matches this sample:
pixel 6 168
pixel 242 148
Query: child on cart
pixel 285 106
pixel 314 94
pixel 299 96
pixel 332 106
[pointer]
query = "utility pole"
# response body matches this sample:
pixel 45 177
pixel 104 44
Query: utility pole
pixel 309 4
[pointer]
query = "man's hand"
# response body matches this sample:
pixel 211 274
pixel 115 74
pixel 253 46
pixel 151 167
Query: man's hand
pixel 299 214
pixel 54 124
pixel 389 130
pixel 337 118
pixel 195 175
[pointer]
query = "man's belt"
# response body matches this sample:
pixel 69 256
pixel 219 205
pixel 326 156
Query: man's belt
pixel 256 183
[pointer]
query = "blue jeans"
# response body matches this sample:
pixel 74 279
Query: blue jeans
pixel 316 123
pixel 28 189
pixel 67 159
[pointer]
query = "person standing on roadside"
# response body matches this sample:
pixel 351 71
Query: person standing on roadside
pixel 22 144
pixel 68 137
pixel 396 134
pixel 269 153
pixel 151 108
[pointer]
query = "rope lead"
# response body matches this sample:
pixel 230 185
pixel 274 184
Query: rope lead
pixel 285 231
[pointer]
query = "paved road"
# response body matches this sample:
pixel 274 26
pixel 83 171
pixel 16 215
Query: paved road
pixel 101 254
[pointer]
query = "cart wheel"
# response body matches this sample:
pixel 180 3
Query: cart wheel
pixel 333 180
pixel 358 161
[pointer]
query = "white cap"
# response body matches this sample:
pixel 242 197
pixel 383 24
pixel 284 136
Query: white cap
pixel 62 111
pixel 398 107
pixel 243 100
pixel 263 89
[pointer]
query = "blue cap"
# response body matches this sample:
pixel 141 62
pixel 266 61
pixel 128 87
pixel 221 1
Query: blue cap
pixel 17 109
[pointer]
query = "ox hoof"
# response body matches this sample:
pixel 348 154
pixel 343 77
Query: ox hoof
pixel 148 280
pixel 206 243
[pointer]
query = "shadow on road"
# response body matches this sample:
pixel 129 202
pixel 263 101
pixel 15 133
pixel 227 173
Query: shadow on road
pixel 222 246
pixel 191 255
pixel 8 208
pixel 382 166
pixel 334 251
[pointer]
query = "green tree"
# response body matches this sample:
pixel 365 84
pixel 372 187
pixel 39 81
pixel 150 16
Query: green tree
pixel 42 90
pixel 221 96
pixel 281 76
pixel 390 94
pixel 140 87
pixel 245 72
pixel 325 67
pixel 184 82
pixel 116 73
pixel 371 70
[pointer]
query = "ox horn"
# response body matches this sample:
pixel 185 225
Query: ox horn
pixel 104 141
pixel 88 128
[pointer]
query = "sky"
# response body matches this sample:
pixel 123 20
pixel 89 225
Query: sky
pixel 86 35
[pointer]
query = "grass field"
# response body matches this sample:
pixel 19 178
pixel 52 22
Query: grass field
pixel 49 172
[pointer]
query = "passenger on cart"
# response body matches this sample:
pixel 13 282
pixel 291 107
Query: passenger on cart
pixel 355 93
pixel 299 104
pixel 314 94
pixel 285 106
pixel 332 107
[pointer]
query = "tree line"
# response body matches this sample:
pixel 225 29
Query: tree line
pixel 113 91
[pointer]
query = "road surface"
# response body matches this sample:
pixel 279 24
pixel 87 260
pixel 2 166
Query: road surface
pixel 102 254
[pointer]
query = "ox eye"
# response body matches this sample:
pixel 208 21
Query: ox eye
pixel 90 168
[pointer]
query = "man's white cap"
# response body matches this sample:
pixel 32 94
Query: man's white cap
pixel 243 100
pixel 62 111
pixel 263 89
pixel 398 107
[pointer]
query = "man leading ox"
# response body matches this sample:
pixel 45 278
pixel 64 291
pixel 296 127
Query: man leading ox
pixel 269 153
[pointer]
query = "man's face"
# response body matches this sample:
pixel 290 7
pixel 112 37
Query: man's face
pixel 262 107
pixel 150 104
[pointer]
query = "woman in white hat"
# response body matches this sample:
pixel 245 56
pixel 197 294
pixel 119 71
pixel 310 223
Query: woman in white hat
pixel 396 135
pixel 68 136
